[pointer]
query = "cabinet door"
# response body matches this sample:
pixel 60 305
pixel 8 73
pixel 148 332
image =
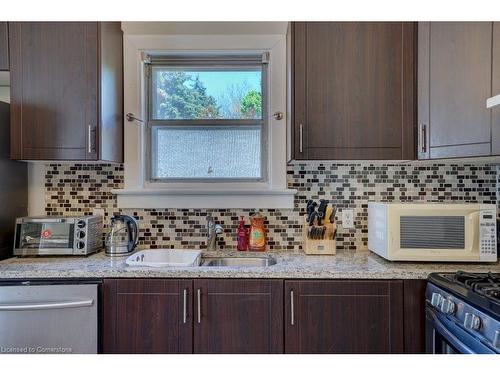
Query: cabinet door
pixel 343 317
pixel 354 90
pixel 454 83
pixel 54 90
pixel 4 46
pixel 238 316
pixel 414 316
pixel 147 316
pixel 495 126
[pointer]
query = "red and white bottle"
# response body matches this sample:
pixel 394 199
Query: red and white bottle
pixel 242 236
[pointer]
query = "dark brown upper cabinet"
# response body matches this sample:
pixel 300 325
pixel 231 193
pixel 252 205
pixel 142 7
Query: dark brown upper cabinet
pixel 454 81
pixel 238 316
pixel 4 46
pixel 363 317
pixel 354 90
pixel 66 91
pixel 152 316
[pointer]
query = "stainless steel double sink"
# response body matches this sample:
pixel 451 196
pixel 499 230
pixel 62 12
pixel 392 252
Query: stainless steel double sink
pixel 239 261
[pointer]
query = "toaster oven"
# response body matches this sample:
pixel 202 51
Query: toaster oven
pixel 58 235
pixel 444 232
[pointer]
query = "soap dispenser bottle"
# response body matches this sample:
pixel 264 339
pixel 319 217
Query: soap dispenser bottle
pixel 242 236
pixel 257 233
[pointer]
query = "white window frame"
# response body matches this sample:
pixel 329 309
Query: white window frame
pixel 139 193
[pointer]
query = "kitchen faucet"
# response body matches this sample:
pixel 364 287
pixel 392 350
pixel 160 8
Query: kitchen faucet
pixel 212 231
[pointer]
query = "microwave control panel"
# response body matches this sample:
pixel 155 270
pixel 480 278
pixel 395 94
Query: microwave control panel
pixel 487 235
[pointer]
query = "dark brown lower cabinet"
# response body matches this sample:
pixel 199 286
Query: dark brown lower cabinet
pixel 262 316
pixel 147 316
pixel 344 316
pixel 238 316
pixel 414 313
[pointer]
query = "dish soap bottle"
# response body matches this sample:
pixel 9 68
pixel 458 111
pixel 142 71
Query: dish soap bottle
pixel 242 236
pixel 257 233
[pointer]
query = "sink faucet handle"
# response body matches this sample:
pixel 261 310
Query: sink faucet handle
pixel 218 229
pixel 210 222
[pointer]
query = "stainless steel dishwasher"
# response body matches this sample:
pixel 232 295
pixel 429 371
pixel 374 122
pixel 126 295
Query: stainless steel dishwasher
pixel 41 317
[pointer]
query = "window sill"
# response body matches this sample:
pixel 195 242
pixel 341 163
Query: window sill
pixel 203 198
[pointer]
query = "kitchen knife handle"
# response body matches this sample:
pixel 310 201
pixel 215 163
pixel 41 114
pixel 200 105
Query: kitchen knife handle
pixel 199 305
pixel 292 308
pixel 184 307
pixel 301 136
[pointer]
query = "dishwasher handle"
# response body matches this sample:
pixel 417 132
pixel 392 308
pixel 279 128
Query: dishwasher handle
pixel 45 305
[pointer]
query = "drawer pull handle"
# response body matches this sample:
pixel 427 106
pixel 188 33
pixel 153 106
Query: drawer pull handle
pixel 199 305
pixel 184 307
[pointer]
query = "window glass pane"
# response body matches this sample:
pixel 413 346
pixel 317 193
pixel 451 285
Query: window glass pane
pixel 207 152
pixel 184 94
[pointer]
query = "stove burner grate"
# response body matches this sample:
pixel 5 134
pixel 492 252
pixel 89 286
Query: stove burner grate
pixel 487 284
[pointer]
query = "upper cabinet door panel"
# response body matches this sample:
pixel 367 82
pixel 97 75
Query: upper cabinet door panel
pixel 495 126
pixel 55 79
pixel 460 83
pixel 354 70
pixel 354 90
pixel 4 46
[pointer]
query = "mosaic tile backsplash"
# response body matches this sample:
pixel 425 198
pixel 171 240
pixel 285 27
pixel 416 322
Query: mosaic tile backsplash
pixel 73 189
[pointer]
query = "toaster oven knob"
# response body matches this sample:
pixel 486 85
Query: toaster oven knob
pixel 80 245
pixel 80 234
pixel 448 306
pixel 436 299
pixel 472 321
pixel 81 224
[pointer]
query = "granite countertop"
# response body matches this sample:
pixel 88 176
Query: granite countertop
pixel 349 265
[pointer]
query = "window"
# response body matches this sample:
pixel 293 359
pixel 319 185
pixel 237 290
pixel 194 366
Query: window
pixel 207 118
pixel 165 159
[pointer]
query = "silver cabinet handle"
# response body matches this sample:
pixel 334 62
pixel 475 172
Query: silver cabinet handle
pixel 301 135
pixel 46 305
pixel 199 305
pixel 424 137
pixel 90 145
pixel 184 307
pixel 292 308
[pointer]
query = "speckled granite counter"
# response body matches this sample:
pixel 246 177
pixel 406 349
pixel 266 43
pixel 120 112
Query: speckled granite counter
pixel 358 265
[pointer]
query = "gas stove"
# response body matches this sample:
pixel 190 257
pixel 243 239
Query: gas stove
pixel 463 312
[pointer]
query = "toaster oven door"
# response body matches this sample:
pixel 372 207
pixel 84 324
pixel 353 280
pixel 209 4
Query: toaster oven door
pixel 44 238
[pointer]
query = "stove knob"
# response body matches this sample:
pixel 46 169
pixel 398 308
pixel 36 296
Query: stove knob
pixel 448 306
pixel 80 245
pixel 472 321
pixel 436 299
pixel 496 340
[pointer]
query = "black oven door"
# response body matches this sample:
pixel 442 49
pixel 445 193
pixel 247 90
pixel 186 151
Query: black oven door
pixel 443 336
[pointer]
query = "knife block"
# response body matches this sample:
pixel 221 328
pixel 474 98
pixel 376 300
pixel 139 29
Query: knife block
pixel 325 246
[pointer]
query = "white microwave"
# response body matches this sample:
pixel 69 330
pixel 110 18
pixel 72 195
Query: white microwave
pixel 433 232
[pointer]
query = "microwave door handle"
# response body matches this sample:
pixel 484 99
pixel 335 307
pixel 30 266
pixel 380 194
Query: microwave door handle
pixel 447 335
pixel 474 218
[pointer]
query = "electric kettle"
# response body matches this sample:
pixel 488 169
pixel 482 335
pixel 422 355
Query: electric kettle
pixel 123 236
